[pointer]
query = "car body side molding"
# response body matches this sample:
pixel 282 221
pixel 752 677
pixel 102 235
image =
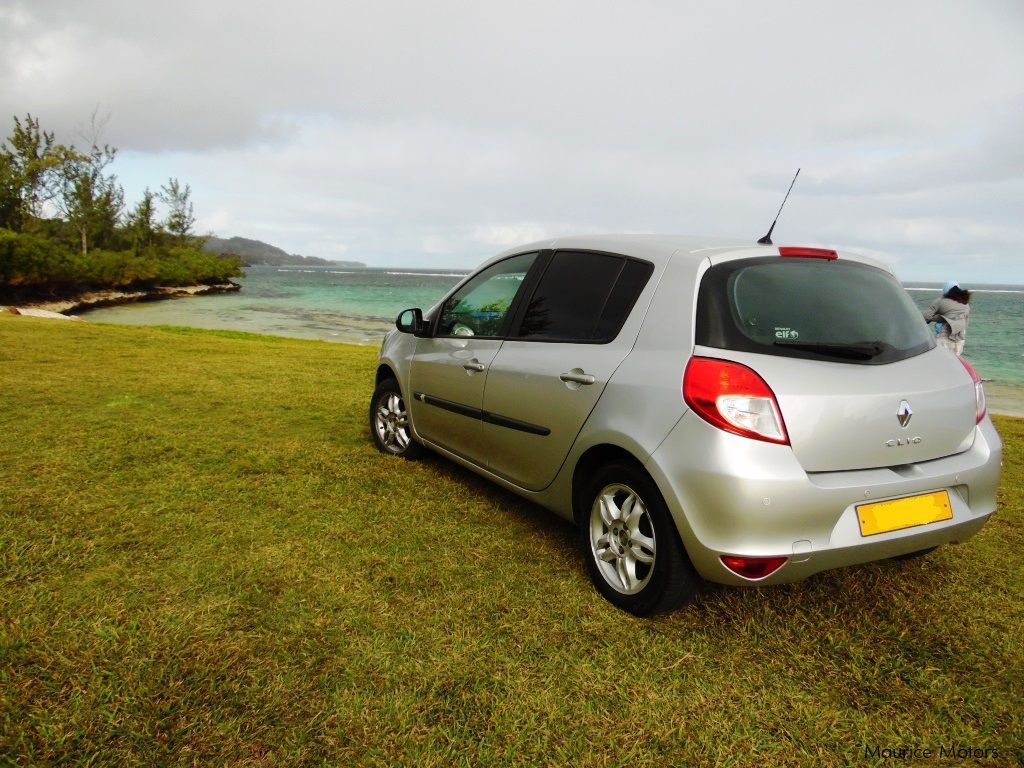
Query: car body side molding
pixel 476 413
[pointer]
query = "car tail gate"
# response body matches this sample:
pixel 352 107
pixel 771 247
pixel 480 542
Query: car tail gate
pixel 841 417
pixel 853 367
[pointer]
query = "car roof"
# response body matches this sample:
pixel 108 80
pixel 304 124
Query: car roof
pixel 659 249
pixel 656 248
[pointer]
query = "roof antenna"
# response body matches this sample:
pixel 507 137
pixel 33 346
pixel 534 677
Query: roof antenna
pixel 767 239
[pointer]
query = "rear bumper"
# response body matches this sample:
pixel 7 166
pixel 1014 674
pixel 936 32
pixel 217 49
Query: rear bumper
pixel 730 495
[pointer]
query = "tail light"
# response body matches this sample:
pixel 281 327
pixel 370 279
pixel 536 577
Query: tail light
pixel 733 397
pixel 979 391
pixel 753 567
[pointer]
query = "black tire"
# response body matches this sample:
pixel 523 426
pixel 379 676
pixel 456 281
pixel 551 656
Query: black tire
pixel 915 555
pixel 389 422
pixel 666 583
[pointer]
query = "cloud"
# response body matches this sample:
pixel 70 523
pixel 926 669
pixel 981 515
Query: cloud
pixel 508 235
pixel 993 152
pixel 439 132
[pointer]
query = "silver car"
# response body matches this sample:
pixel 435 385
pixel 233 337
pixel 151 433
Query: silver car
pixel 699 408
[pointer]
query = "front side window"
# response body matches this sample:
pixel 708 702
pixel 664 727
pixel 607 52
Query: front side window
pixel 479 307
pixel 583 297
pixel 836 310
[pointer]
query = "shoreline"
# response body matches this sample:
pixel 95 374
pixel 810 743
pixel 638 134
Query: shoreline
pixel 114 297
pixel 1004 398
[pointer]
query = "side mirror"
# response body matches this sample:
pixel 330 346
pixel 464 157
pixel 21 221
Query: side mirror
pixel 410 321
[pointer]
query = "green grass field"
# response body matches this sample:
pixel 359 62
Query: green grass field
pixel 203 560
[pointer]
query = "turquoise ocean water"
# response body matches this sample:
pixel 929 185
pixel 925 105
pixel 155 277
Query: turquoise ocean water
pixel 354 306
pixel 359 306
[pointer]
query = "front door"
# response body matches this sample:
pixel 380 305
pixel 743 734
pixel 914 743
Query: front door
pixel 449 369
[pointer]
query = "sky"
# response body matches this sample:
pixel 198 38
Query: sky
pixel 436 134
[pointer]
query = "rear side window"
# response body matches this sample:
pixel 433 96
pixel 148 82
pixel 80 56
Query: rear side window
pixel 583 297
pixel 819 309
pixel 631 282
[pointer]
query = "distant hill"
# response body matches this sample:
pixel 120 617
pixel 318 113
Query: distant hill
pixel 255 253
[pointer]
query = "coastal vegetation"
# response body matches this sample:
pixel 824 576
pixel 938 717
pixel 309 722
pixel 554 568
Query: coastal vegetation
pixel 65 228
pixel 204 560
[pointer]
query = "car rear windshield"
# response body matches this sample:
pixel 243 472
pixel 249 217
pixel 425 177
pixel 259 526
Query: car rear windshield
pixel 836 310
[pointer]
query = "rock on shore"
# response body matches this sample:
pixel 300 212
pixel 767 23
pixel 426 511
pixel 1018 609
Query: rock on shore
pixel 36 312
pixel 94 299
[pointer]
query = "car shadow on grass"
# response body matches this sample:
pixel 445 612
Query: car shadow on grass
pixel 873 591
pixel 555 530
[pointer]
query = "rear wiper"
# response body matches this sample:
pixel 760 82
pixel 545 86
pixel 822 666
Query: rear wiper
pixel 864 350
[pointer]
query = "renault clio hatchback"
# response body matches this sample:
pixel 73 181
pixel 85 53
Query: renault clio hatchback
pixel 749 414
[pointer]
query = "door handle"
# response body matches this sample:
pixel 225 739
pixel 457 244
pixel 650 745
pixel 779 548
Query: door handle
pixel 577 378
pixel 474 366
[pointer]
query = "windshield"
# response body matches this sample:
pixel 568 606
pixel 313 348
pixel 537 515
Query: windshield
pixel 836 310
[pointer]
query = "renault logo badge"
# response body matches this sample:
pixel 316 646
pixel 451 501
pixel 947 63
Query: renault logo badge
pixel 903 413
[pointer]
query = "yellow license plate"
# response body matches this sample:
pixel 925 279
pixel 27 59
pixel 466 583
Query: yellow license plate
pixel 884 516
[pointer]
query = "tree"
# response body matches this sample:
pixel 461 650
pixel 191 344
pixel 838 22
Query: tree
pixel 91 200
pixel 30 162
pixel 10 195
pixel 180 214
pixel 141 223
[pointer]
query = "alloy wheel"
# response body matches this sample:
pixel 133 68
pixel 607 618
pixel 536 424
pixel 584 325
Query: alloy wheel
pixel 391 421
pixel 622 539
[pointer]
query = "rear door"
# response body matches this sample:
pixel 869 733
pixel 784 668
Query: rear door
pixel 549 373
pixel 448 371
pixel 858 378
